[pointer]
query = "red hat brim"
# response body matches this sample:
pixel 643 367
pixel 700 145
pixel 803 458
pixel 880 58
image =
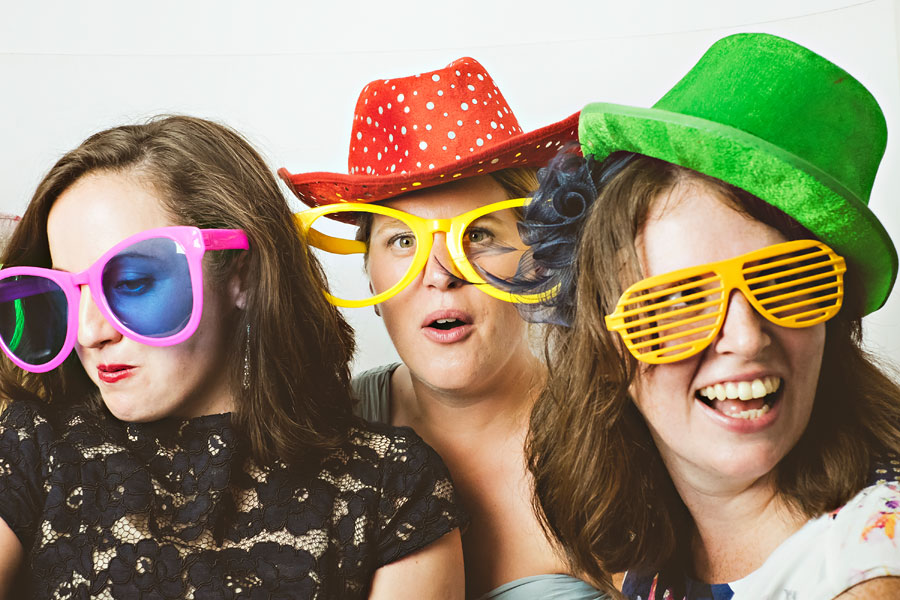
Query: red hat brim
pixel 532 149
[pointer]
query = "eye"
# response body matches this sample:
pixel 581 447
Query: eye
pixel 403 241
pixel 686 295
pixel 134 285
pixel 478 236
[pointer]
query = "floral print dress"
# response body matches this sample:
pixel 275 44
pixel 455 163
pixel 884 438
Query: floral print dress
pixel 177 509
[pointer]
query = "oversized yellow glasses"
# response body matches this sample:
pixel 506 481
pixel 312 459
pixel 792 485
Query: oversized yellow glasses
pixel 374 251
pixel 673 316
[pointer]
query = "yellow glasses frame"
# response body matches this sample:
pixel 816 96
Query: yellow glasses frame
pixel 677 298
pixel 424 230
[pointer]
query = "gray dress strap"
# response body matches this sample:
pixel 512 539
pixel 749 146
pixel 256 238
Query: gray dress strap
pixel 546 587
pixel 372 391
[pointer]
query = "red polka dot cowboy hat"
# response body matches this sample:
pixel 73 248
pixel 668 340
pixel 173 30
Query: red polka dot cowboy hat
pixel 416 132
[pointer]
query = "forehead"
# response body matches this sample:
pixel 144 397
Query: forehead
pixel 450 199
pixel 98 211
pixel 693 225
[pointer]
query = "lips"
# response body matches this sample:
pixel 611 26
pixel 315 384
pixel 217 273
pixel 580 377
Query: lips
pixel 447 326
pixel 114 373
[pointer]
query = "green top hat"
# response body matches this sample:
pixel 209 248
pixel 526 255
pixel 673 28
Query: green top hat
pixel 779 121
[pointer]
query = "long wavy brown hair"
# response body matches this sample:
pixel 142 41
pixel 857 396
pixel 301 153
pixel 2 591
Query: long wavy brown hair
pixel 601 488
pixel 297 403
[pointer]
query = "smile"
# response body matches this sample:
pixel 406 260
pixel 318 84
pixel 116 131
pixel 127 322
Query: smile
pixel 742 399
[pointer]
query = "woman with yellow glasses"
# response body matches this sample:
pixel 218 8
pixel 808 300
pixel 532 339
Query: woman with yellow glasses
pixel 711 423
pixel 422 228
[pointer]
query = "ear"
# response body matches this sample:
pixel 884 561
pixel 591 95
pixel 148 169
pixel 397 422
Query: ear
pixel 374 306
pixel 237 291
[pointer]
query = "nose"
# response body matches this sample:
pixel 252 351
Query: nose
pixel 440 271
pixel 745 331
pixel 94 330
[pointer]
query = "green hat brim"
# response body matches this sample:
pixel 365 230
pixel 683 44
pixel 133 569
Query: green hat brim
pixel 808 194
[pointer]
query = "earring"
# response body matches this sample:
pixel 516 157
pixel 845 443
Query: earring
pixel 376 309
pixel 245 377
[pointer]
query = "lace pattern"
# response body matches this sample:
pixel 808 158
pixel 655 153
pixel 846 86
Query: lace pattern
pixel 176 509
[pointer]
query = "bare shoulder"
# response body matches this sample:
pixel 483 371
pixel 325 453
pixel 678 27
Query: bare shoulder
pixel 11 555
pixel 434 572
pixel 878 588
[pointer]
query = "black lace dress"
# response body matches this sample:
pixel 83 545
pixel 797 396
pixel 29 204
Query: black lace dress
pixel 176 509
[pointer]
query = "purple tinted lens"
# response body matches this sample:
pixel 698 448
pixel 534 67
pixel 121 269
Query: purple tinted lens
pixel 33 318
pixel 148 287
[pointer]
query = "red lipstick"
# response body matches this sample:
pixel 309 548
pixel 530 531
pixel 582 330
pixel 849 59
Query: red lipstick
pixel 114 373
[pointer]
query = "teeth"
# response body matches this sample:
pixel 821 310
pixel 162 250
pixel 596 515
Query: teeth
pixel 748 414
pixel 741 390
pixel 445 321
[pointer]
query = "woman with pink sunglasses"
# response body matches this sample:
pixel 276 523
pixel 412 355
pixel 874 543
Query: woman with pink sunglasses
pixel 199 441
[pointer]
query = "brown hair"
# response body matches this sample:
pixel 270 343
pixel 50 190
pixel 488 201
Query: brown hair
pixel 601 487
pixel 208 176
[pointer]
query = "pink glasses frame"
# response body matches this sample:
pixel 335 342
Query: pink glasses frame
pixel 195 242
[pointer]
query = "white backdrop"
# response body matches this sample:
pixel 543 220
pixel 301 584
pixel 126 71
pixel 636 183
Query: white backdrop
pixel 287 75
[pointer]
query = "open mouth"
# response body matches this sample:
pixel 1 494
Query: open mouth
pixel 446 324
pixel 742 399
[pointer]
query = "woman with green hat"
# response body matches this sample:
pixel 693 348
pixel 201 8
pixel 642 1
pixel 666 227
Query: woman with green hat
pixel 711 423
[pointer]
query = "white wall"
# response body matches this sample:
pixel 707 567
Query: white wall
pixel 288 75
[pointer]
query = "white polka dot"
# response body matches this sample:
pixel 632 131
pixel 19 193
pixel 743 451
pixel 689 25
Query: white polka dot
pixel 428 126
pixel 480 77
pixel 506 110
pixel 418 164
pixel 451 134
pixel 495 161
pixel 359 135
pixel 365 148
pixel 464 106
pixel 368 169
pixel 479 142
pixel 457 157
pixel 393 167
pixel 415 92
pixel 431 166
pixel 443 147
pixel 385 148
pixel 389 105
pixel 429 105
pixel 488 136
pixel 445 114
pixel 393 87
pixel 474 100
pixel 477 121
pixel 499 114
pixel 459 122
pixel 403 130
pixel 379 156
pixel 471 87
pixel 548 144
pixel 380 110
pixel 440 92
pixel 415 127
pixel 435 77
pixel 406 153
pixel 399 97
pixel 458 73
pixel 406 109
pixel 423 145
pixel 390 137
pixel 369 120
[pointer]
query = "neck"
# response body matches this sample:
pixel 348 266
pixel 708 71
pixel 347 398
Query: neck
pixel 501 401
pixel 736 525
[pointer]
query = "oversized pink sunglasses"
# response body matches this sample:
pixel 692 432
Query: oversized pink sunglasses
pixel 148 286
